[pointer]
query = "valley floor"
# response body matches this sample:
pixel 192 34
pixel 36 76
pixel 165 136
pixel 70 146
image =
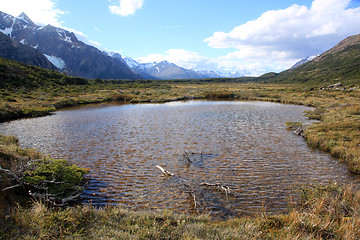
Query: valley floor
pixel 326 212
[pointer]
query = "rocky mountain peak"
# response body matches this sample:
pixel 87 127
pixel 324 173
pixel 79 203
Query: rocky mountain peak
pixel 25 18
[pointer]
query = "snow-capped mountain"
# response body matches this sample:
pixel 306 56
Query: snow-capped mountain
pixel 167 70
pixel 64 50
pixel 138 66
pixel 163 70
pixel 304 60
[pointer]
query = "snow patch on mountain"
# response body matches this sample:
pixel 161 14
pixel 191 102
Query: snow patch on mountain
pixel 56 61
pixel 67 39
pixel 7 31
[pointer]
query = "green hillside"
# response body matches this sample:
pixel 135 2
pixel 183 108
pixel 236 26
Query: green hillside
pixel 339 64
pixel 14 75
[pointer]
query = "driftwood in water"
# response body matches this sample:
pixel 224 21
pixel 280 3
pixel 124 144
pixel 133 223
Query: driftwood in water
pixel 165 172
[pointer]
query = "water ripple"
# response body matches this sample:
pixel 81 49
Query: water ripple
pixel 243 145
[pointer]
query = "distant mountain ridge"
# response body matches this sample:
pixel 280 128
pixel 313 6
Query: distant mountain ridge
pixel 167 70
pixel 62 47
pixel 162 70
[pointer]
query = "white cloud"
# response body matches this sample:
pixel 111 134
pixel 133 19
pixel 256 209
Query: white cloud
pixel 126 7
pixel 279 38
pixel 42 12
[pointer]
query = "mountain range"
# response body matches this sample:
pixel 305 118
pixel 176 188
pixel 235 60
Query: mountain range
pixel 58 49
pixel 70 56
pixel 167 70
pixel 339 64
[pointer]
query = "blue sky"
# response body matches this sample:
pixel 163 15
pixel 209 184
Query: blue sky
pixel 229 35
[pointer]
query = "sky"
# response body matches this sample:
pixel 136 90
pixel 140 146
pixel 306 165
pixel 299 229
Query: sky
pixel 258 36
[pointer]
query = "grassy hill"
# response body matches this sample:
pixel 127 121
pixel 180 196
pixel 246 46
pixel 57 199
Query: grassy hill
pixel 15 75
pixel 339 64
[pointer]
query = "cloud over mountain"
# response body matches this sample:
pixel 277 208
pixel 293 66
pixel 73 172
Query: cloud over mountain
pixel 192 60
pixel 280 37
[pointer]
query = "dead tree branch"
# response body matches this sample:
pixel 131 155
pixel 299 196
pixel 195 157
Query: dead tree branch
pixel 164 171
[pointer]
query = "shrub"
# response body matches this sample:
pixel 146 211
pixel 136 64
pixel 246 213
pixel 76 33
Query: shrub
pixel 55 181
pixel 220 95
pixel 293 125
pixel 56 176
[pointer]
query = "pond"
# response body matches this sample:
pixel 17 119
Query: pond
pixel 242 145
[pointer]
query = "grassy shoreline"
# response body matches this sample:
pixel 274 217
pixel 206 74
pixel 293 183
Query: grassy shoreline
pixel 338 110
pixel 326 212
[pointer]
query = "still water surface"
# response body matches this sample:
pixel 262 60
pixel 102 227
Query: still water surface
pixel 243 145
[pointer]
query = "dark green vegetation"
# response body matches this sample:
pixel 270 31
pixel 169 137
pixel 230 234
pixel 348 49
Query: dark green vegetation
pixel 26 173
pixel 325 212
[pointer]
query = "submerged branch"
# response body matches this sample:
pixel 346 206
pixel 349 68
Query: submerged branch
pixel 186 157
pixel 224 188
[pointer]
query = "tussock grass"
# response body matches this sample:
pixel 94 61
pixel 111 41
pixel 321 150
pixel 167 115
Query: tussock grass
pixel 325 212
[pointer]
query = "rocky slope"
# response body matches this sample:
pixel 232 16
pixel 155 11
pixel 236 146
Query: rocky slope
pixel 17 51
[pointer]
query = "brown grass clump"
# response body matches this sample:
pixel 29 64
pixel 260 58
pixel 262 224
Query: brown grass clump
pixel 120 97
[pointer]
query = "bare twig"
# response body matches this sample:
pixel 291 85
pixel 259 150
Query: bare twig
pixel 19 181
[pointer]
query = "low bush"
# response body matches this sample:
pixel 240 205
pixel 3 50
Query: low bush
pixel 54 181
